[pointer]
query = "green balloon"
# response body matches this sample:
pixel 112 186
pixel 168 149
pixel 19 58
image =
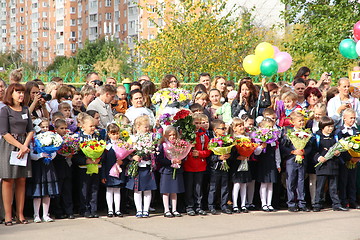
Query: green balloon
pixel 269 67
pixel 347 48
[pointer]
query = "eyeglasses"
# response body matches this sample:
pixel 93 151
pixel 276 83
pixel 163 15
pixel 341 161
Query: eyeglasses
pixel 174 81
pixel 224 128
pixel 68 97
pixel 97 82
pixel 306 75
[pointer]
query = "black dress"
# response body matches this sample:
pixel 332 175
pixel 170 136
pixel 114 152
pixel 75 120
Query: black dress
pixel 168 184
pixel 266 165
pixel 238 176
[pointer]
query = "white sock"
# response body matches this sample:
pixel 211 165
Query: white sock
pixel 243 194
pixel 46 206
pixel 165 198
pixel 235 194
pixel 138 200
pixel 312 187
pixel 117 199
pixel 269 193
pixel 37 203
pixel 173 197
pixel 262 191
pixel 110 198
pixel 147 200
pixel 250 191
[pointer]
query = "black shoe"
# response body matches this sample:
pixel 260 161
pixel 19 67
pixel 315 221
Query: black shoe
pixel 293 209
pixel 118 214
pixel 354 206
pixel 168 214
pixel 110 214
pixel 201 212
pixel 60 216
pixel 316 209
pixel 340 209
pixel 191 212
pixel 265 208
pixel 244 209
pixel 213 212
pixel 88 215
pixel 236 210
pixel 227 211
pixel 251 207
pixel 304 209
pixel 71 216
pixel 95 215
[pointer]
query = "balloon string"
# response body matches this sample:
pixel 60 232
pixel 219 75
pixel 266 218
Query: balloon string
pixel 258 103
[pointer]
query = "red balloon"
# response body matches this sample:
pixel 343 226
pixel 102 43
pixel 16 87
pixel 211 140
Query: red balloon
pixel 357 30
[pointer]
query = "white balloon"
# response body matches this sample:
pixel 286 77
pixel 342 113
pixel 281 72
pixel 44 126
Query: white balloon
pixel 358 48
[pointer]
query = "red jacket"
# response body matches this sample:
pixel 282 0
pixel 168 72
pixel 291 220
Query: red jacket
pixel 198 164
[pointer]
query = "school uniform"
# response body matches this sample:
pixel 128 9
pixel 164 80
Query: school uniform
pixel 328 170
pixel 218 177
pixel 295 172
pixel 194 168
pixel 268 161
pixel 237 175
pixel 108 160
pixel 347 177
pixel 89 184
pixel 64 202
pixel 168 184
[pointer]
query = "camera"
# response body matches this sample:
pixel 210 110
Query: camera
pixel 45 96
pixel 98 82
pixel 329 74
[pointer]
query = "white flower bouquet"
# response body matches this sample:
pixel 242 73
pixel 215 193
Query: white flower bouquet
pixel 47 142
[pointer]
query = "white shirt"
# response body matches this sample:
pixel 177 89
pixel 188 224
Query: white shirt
pixel 132 113
pixel 335 103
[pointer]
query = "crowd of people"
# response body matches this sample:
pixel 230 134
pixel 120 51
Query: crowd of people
pixel 269 179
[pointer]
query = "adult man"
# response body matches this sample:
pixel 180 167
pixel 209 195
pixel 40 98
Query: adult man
pixel 102 104
pixel 299 89
pixel 205 80
pixel 93 79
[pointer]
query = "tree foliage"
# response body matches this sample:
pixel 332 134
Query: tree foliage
pixel 198 37
pixel 317 27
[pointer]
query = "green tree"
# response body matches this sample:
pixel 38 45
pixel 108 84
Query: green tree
pixel 315 31
pixel 199 37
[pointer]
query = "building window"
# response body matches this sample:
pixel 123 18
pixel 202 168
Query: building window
pixel 21 28
pixel 73 34
pixel 45 25
pixel 124 26
pixel 46 44
pixel 132 24
pixel 160 22
pixel 151 8
pixel 117 14
pixel 72 22
pixel 21 9
pixel 132 10
pixel 34 5
pixel 107 16
pixel 72 10
pixel 151 23
pixel 45 4
pixel 44 14
pixel 22 47
pixel 45 34
pixel 73 46
pixel 21 37
pixel 107 3
pixel 60 23
pixel 93 17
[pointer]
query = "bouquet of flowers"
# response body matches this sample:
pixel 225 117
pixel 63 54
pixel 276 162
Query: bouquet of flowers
pixel 93 149
pixel 299 139
pixel 184 122
pixel 70 145
pixel 124 134
pixel 171 97
pixel 47 142
pixel 144 145
pixel 166 119
pixel 265 135
pixel 122 150
pixel 245 147
pixel 350 144
pixel 176 151
pixel 221 146
pixel 308 114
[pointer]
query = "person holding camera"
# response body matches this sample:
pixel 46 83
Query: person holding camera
pixel 342 101
pixel 36 100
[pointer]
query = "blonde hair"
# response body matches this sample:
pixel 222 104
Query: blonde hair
pixel 289 95
pixel 16 75
pixel 265 121
pixel 320 106
pixel 296 114
pixel 348 111
pixel 199 116
pixel 121 119
pixel 80 118
pixel 50 87
pixel 168 130
pixel 142 120
pixel 64 105
pixel 87 118
pixel 236 122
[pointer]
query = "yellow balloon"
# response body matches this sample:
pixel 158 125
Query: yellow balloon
pixel 251 64
pixel 264 50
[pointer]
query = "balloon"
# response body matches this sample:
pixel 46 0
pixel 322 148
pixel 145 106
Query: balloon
pixel 355 39
pixel 269 67
pixel 276 50
pixel 284 61
pixel 357 30
pixel 347 48
pixel 251 64
pixel 264 50
pixel 358 48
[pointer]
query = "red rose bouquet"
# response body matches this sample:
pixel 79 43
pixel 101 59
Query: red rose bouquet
pixel 184 122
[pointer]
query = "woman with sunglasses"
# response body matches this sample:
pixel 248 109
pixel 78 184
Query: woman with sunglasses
pixel 303 72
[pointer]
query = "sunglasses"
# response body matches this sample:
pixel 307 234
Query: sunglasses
pixel 221 128
pixel 97 82
pixel 68 97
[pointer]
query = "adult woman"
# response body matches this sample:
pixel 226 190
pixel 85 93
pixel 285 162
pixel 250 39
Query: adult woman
pixel 137 109
pixel 219 83
pixel 62 94
pixel 51 89
pixel 312 96
pixel 303 72
pixel 342 101
pixel 217 109
pixel 273 89
pixel 148 89
pixel 34 101
pixel 246 101
pixel 2 92
pixel 15 137
pixel 16 75
pixel 170 81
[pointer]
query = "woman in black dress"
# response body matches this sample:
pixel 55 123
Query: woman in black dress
pixel 15 137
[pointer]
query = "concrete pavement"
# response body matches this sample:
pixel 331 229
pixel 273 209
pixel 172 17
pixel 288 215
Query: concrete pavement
pixel 255 225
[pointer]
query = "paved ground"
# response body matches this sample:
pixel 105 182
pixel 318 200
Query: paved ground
pixel 255 225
